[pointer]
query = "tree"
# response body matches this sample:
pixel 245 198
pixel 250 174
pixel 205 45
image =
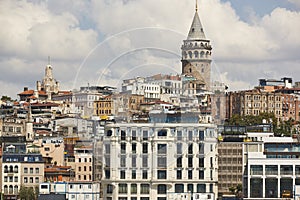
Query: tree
pixel 27 193
pixel 6 98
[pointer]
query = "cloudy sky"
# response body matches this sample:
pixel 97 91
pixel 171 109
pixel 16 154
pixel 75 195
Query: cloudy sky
pixel 102 42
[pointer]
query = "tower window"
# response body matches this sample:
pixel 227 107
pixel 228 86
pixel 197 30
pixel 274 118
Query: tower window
pixel 190 54
pixel 193 29
pixel 190 70
pixel 196 54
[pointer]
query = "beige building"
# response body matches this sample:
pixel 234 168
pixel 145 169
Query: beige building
pixel 52 150
pixel 83 163
pixel 254 102
pixel 230 171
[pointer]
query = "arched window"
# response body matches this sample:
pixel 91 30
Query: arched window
pixel 5 169
pixel 190 70
pixel 16 189
pixel 5 189
pixel 202 54
pixel 190 54
pixel 10 189
pixel 11 168
pixel 207 53
pixel 16 169
pixel 196 54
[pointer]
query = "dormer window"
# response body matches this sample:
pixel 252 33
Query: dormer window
pixel 193 29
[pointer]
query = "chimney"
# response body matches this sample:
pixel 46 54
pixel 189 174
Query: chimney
pixel 25 89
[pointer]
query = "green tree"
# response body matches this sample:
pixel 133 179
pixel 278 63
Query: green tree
pixel 6 98
pixel 27 193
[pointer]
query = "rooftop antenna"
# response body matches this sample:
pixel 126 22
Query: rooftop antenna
pixel 48 60
pixel 196 5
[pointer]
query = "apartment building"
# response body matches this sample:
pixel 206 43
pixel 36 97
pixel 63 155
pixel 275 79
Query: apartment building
pixel 83 162
pixel 272 169
pixel 159 161
pixel 20 169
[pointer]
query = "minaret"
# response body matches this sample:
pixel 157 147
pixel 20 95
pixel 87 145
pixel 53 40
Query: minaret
pixel 196 54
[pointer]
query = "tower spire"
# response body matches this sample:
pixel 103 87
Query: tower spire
pixel 196 5
pixel 48 60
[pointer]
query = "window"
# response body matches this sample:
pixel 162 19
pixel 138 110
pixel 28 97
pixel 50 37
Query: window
pixel 179 135
pixel 145 161
pixel 122 174
pixel 201 174
pixel 190 161
pixel 109 189
pixel 37 180
pixel 133 174
pixel 79 168
pixel 123 135
pixel 162 133
pixel 162 162
pixel 190 149
pixel 107 173
pixel 190 135
pixel 133 148
pixel 190 174
pixel 25 180
pixel 123 148
pixel 46 149
pixel 145 135
pixel 179 148
pixel 133 189
pixel 201 162
pixel 16 179
pixel 145 174
pixel 25 170
pixel 179 162
pixel 123 161
pixel 161 174
pixel 201 148
pixel 162 189
pixel 122 188
pixel 31 170
pixel 179 188
pixel 145 147
pixel 201 135
pixel 201 188
pixel 133 161
pixel 37 170
pixel 190 188
pixel 211 188
pixel 162 148
pixel 144 188
pixel 109 133
pixel 31 180
pixel 179 174
pixel 133 133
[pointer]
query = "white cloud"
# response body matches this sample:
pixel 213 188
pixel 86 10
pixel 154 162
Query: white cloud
pixel 295 2
pixel 142 35
pixel 32 31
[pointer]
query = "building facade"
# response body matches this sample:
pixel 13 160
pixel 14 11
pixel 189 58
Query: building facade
pixel 159 161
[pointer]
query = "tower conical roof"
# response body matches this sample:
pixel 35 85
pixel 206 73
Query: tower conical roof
pixel 196 30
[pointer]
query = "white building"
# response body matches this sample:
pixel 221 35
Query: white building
pixel 272 168
pixel 159 161
pixel 72 190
